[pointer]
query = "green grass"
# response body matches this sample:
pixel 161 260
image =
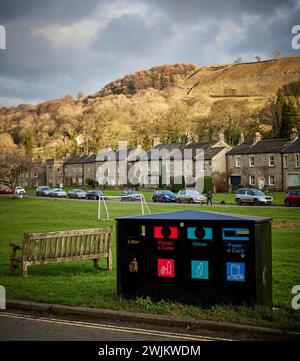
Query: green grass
pixel 78 283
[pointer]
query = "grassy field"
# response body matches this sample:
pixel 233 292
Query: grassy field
pixel 78 283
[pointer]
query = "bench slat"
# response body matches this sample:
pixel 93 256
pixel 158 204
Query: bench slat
pixel 68 233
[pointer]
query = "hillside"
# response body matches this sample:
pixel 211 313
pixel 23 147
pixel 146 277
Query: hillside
pixel 165 101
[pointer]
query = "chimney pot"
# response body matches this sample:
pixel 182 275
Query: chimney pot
pixel 257 138
pixel 220 137
pixel 188 137
pixel 294 134
pixel 242 138
pixel 156 141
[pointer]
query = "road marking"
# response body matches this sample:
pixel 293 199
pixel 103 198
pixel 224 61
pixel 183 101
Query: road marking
pixel 142 331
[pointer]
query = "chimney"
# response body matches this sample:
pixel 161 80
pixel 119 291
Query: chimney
pixel 294 134
pixel 220 137
pixel 187 138
pixel 241 138
pixel 257 138
pixel 156 141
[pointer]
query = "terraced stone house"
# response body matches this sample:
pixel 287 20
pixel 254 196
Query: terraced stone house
pixel 270 164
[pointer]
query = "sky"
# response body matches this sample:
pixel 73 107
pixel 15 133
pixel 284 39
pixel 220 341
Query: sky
pixel 62 47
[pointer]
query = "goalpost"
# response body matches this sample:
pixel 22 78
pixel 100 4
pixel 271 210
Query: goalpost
pixel 102 200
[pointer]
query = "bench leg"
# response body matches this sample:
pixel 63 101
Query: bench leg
pixel 13 269
pixel 96 263
pixel 24 269
pixel 12 265
pixel 109 261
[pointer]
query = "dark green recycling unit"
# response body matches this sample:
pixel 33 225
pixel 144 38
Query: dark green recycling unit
pixel 195 257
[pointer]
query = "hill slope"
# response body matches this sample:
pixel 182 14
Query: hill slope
pixel 167 101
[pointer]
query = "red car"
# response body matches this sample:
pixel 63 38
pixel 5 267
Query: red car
pixel 6 190
pixel 293 197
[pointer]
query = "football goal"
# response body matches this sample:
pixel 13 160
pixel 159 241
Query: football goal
pixel 104 202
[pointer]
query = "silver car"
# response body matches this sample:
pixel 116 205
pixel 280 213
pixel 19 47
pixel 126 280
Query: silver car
pixel 252 196
pixel 58 192
pixel 77 194
pixel 190 196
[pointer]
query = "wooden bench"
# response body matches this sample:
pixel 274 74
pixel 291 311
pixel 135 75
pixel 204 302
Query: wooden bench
pixel 55 247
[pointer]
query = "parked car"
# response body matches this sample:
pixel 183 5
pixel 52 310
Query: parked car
pixel 95 194
pixel 190 196
pixel 58 192
pixel 130 195
pixel 20 190
pixel 43 191
pixel 292 198
pixel 6 190
pixel 77 193
pixel 252 196
pixel 163 196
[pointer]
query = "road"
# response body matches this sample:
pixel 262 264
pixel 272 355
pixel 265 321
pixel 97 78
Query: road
pixel 158 203
pixel 16 326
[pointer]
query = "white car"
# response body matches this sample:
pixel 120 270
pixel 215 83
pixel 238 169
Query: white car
pixel 20 190
pixel 190 196
pixel 252 196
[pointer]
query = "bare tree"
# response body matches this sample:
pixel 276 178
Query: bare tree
pixel 238 60
pixel 12 164
pixel 258 58
pixel 276 53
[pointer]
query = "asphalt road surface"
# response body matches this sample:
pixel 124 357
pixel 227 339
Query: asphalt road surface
pixel 158 203
pixel 15 326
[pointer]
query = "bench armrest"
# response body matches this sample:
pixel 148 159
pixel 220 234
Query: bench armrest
pixel 15 246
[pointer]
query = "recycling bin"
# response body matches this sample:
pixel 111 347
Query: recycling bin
pixel 195 257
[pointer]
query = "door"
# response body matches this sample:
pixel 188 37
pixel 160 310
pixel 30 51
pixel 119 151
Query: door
pixel 293 180
pixel 235 180
pixel 261 183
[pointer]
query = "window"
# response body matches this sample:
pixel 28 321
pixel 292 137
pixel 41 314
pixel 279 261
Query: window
pixel 250 192
pixel 252 180
pixel 238 162
pixel 297 160
pixel 285 161
pixel 251 161
pixel 188 166
pixel 36 184
pixel 58 170
pixel 271 180
pixel 35 175
pixel 271 161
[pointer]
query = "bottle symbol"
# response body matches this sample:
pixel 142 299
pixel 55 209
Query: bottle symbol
pixel 199 270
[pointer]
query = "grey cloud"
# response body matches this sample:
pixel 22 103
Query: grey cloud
pixel 131 35
pixel 33 68
pixel 47 10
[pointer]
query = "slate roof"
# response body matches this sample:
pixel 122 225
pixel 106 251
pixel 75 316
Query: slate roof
pixel 263 146
pixel 81 159
pixel 209 150
pixel 293 147
pixel 129 154
pixel 153 152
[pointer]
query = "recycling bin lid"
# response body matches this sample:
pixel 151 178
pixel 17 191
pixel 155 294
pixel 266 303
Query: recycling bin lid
pixel 197 216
